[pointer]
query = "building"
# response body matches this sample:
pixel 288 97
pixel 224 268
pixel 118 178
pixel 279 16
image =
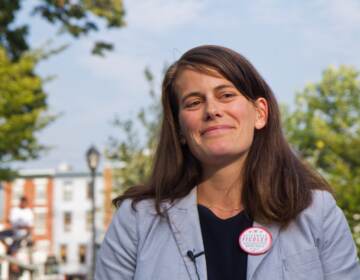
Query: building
pixel 61 202
pixel 38 188
pixel 72 219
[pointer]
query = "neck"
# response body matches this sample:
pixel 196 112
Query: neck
pixel 221 186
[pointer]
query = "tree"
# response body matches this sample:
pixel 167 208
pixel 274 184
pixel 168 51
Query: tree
pixel 23 103
pixel 22 110
pixel 325 130
pixel 76 18
pixel 132 156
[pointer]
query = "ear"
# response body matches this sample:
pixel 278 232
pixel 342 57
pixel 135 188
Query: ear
pixel 262 111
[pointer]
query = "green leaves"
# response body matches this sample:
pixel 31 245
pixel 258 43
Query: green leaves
pixel 111 10
pixel 79 18
pixel 23 108
pixel 23 103
pixel 325 129
pixel 100 47
pixel 133 157
pixel 76 18
pixel 12 38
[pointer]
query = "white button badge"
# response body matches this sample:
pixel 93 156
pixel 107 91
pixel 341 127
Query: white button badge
pixel 255 240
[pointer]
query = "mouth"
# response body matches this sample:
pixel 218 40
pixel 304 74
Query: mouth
pixel 215 129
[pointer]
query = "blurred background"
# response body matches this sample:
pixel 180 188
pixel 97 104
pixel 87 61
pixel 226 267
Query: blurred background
pixel 79 104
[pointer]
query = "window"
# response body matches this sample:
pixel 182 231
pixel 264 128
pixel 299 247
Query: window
pixel 40 190
pixel 40 215
pixel 63 253
pixel 82 253
pixel 88 220
pixel 67 191
pixel 67 221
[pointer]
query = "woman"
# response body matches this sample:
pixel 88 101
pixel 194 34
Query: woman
pixel 227 197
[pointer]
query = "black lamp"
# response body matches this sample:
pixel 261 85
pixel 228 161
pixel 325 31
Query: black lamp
pixel 92 158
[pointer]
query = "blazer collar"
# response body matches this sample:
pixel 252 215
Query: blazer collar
pixel 185 224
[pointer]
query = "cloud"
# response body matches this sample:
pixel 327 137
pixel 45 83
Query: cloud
pixel 337 14
pixel 273 13
pixel 162 15
pixel 321 26
pixel 345 14
pixel 116 66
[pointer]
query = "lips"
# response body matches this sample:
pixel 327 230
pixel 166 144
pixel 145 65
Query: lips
pixel 215 128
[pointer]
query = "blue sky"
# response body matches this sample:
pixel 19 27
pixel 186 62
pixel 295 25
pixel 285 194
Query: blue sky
pixel 289 42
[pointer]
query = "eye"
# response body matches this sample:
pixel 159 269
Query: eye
pixel 192 104
pixel 227 95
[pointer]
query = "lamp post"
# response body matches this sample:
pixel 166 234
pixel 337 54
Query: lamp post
pixel 92 158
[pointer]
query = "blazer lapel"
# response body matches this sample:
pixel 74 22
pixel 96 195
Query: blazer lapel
pixel 255 261
pixel 184 222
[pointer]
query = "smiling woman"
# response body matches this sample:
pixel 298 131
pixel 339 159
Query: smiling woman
pixel 217 120
pixel 227 197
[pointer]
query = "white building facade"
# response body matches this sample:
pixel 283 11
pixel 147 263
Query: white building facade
pixel 73 221
pixel 62 206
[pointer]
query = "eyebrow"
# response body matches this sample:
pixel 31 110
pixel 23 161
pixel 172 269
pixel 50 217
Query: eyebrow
pixel 197 93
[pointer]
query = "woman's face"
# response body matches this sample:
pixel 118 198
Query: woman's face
pixel 217 122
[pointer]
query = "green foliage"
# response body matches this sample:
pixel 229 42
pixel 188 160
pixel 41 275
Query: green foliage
pixel 134 159
pixel 22 110
pixel 325 129
pixel 76 18
pixel 22 99
pixel 12 38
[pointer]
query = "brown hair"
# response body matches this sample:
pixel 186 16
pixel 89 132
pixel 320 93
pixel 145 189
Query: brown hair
pixel 277 184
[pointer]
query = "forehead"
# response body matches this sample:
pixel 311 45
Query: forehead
pixel 188 78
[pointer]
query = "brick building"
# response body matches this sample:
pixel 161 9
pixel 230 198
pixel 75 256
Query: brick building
pixel 61 202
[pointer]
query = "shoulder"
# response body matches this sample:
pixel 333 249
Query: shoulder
pixel 143 217
pixel 132 216
pixel 130 209
pixel 323 198
pixel 311 220
pixel 312 224
pixel 133 224
pixel 320 237
pixel 322 202
pixel 322 215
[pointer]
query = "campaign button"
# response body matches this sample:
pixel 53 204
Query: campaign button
pixel 255 240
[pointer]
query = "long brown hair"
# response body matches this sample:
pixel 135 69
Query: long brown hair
pixel 277 184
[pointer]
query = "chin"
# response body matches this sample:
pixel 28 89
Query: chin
pixel 220 155
pixel 218 149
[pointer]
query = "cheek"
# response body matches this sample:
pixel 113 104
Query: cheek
pixel 188 123
pixel 244 114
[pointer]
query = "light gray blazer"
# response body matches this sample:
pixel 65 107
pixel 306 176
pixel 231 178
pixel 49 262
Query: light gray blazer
pixel 142 245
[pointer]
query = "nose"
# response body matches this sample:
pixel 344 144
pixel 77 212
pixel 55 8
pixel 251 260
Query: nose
pixel 212 110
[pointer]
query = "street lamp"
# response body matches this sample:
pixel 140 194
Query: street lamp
pixel 92 158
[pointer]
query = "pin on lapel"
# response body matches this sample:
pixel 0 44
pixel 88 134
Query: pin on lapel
pixel 255 240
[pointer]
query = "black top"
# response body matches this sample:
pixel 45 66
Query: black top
pixel 225 260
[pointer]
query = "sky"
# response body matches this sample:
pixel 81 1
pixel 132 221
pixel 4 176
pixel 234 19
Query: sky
pixel 289 42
